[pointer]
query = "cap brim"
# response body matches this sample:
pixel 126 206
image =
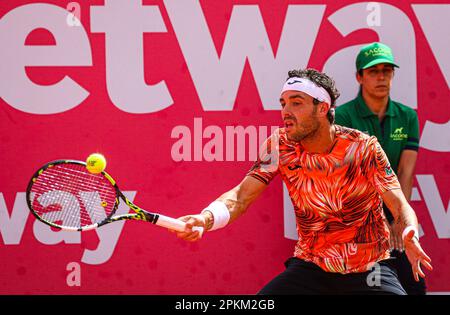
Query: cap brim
pixel 378 61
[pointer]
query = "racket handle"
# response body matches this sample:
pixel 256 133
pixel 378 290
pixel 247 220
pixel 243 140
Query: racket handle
pixel 175 224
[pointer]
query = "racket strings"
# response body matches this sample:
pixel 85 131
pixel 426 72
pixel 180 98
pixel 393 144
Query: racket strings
pixel 84 185
pixel 68 195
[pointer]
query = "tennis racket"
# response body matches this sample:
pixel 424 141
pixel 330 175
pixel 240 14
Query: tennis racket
pixel 65 195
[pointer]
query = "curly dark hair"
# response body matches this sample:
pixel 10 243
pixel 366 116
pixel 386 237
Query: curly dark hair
pixel 322 80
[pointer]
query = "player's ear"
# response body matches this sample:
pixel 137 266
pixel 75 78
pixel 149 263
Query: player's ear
pixel 324 108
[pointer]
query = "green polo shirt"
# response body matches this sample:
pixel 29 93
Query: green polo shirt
pixel 397 132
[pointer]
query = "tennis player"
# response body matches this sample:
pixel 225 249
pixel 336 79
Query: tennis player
pixel 337 179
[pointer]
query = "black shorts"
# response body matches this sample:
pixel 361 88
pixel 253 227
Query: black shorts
pixel 301 277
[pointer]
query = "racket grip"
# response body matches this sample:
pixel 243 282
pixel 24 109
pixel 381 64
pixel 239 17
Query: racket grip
pixel 175 224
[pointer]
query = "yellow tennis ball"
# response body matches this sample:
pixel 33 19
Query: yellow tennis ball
pixel 96 163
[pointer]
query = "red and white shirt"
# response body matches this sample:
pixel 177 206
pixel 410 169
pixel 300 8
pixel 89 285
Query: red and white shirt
pixel 336 196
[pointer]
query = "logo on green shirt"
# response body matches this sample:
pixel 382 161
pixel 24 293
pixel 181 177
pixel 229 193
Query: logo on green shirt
pixel 398 134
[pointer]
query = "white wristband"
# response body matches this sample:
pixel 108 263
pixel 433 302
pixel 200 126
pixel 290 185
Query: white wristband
pixel 408 229
pixel 220 213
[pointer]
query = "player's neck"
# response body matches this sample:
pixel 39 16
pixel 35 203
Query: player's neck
pixel 322 140
pixel 377 105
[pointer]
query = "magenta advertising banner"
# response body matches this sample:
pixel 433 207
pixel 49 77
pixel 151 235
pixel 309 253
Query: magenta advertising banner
pixel 178 96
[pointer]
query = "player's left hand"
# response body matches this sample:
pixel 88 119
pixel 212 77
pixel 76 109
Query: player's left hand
pixel 416 255
pixel 396 240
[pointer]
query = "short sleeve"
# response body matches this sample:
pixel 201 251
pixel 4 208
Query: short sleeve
pixel 379 170
pixel 412 143
pixel 266 166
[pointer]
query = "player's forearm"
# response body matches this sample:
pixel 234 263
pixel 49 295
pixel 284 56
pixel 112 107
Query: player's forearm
pixel 405 171
pixel 406 217
pixel 235 203
pixel 403 213
pixel 232 204
pixel 406 182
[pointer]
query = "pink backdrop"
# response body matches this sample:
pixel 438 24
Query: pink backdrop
pixel 138 124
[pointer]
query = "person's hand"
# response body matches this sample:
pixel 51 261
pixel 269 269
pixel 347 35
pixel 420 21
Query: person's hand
pixel 416 255
pixel 191 220
pixel 396 241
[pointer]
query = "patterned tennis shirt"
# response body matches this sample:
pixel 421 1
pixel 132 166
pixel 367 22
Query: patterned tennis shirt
pixel 336 197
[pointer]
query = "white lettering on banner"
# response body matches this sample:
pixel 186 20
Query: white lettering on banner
pixel 402 41
pixel 125 54
pixel 436 137
pixel 217 78
pixel 72 49
pixel 213 150
pixel 64 199
pixel 12 228
pixel 435 22
pixel 434 204
pixel 46 235
pixel 108 237
pixel 244 40
pixel 93 204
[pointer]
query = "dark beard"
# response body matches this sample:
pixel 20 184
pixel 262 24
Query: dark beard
pixel 311 134
pixel 315 125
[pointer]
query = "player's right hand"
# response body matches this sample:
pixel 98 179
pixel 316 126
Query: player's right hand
pixel 191 220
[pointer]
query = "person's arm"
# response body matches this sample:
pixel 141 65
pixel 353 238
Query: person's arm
pixel 405 174
pixel 405 171
pixel 242 196
pixel 237 201
pixel 405 217
pixel 232 204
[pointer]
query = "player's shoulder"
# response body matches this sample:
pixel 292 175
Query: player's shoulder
pixel 352 135
pixel 355 139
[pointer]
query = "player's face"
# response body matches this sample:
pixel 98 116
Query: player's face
pixel 299 115
pixel 376 81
